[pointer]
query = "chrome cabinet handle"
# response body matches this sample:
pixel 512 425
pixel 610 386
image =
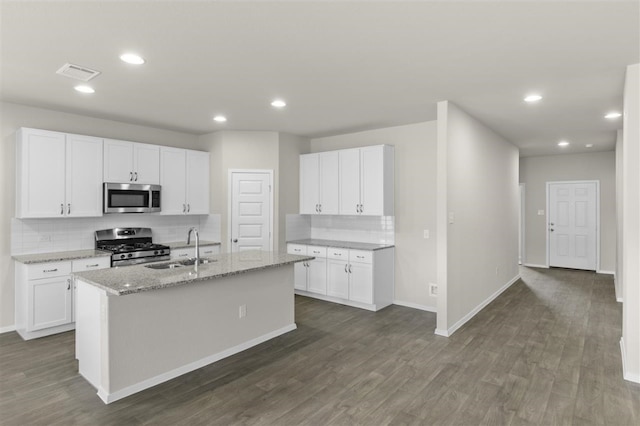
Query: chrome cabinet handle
pixel 69 208
pixel 319 208
pixel 345 268
pixel 188 208
pixel 49 270
pixel 184 208
pixel 92 266
pixel 183 255
pixel 360 257
pixel 69 284
pixel 349 268
pixel 61 208
pixel 130 176
pixel 136 176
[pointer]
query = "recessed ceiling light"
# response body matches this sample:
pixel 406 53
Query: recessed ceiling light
pixel 563 143
pixel 532 98
pixel 84 89
pixel 132 58
pixel 612 115
pixel 220 118
pixel 589 145
pixel 278 103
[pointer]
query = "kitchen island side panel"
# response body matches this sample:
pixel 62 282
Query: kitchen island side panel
pixel 154 336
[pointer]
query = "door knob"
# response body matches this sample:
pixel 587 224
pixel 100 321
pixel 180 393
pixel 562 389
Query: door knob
pixel 551 229
pixel 235 240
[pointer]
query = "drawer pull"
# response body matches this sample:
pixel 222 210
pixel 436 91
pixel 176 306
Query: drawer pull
pixel 360 257
pixel 337 254
pixel 183 255
pixel 50 270
pixel 95 265
pixel 316 252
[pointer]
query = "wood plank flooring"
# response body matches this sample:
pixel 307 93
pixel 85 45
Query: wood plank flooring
pixel 545 352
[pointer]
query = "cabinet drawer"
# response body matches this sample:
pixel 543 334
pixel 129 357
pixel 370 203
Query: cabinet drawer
pixel 182 253
pixel 296 249
pixel 48 270
pixel 316 251
pixel 338 253
pixel 361 256
pixel 90 264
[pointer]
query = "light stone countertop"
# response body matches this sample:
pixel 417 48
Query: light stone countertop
pixel 341 244
pixel 124 280
pixel 60 256
pixel 175 245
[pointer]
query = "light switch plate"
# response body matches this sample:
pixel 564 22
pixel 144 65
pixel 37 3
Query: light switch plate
pixel 540 212
pixel 452 217
pixel 426 234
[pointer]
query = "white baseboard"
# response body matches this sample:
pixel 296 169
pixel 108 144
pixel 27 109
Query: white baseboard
pixel 415 306
pixel 443 333
pixel 533 265
pixel 161 378
pixel 606 272
pixel 477 309
pixel 619 299
pixel 626 375
pixel 7 329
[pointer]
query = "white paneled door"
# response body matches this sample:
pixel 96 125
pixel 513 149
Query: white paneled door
pixel 250 210
pixel 573 225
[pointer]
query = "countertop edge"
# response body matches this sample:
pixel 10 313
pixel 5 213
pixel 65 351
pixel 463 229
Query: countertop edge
pixel 63 256
pixel 352 245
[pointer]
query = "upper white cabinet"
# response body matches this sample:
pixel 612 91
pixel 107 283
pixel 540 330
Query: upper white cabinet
pixel 355 181
pixel 366 181
pixel 58 174
pixel 319 183
pixel 184 177
pixel 131 162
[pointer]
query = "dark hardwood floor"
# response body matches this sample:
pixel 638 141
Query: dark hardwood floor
pixel 545 352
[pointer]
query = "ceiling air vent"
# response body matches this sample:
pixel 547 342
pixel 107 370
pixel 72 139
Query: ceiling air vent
pixel 77 72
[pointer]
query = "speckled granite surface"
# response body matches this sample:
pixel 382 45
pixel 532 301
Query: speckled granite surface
pixel 60 256
pixel 124 280
pixel 341 244
pixel 183 244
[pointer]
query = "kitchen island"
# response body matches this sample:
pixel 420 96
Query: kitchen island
pixel 138 326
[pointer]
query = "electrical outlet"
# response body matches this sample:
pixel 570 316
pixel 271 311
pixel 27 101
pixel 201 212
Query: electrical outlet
pixel 452 217
pixel 426 234
pixel 433 289
pixel 242 311
pixel 497 270
pixel 540 212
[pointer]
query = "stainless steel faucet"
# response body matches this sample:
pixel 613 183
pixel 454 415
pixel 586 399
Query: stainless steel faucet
pixel 197 257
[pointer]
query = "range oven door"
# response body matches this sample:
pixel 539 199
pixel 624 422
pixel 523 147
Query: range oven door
pixel 131 198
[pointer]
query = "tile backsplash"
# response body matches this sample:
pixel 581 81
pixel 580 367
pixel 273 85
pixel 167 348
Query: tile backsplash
pixel 30 236
pixel 363 229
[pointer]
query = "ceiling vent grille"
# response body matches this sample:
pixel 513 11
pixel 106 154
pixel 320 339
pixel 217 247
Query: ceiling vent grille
pixel 77 72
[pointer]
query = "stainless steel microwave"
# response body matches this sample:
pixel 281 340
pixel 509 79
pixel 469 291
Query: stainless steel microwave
pixel 131 198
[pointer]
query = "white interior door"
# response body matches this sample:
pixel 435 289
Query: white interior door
pixel 250 210
pixel 573 225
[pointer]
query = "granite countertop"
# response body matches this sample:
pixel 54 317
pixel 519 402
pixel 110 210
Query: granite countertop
pixel 60 256
pixel 124 280
pixel 342 244
pixel 183 244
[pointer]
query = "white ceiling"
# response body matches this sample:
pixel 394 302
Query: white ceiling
pixel 341 66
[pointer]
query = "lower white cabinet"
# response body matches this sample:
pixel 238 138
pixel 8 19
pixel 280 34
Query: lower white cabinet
pixel 45 295
pixel 187 252
pixel 360 278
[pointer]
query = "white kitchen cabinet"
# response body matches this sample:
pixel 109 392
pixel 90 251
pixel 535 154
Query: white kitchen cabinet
pixel 44 295
pixel 58 174
pixel 184 177
pixel 131 162
pixel 359 278
pixel 188 252
pixel 366 181
pixel 311 275
pixel 319 186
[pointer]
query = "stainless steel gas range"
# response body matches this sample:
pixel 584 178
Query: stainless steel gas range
pixel 130 246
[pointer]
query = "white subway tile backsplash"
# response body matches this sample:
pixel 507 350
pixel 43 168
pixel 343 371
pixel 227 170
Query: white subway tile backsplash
pixel 49 235
pixel 364 229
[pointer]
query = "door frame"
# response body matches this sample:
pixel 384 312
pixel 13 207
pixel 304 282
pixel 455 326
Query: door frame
pixel 230 200
pixel 522 231
pixel 548 185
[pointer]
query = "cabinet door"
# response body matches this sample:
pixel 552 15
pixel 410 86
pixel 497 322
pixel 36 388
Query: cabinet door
pixel 337 278
pixel 146 163
pixel 84 176
pixel 173 181
pixel 349 181
pixel 317 276
pixel 361 282
pixel 49 302
pixel 197 182
pixel 300 275
pixel 309 184
pixel 118 161
pixel 41 174
pixel 329 183
pixel 372 180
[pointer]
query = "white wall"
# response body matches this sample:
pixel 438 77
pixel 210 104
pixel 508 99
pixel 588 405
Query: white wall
pixel 619 219
pixel 630 341
pixel 535 172
pixel 415 203
pixel 14 116
pixel 480 178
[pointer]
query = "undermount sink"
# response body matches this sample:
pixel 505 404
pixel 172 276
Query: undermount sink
pixel 178 264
